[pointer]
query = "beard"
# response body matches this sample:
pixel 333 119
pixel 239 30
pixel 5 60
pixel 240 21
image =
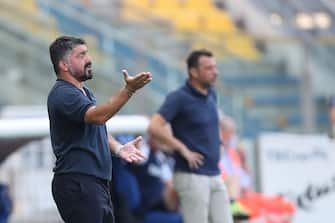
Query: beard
pixel 207 83
pixel 87 74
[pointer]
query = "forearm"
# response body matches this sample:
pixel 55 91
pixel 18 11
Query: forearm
pixel 113 144
pixel 102 113
pixel 161 133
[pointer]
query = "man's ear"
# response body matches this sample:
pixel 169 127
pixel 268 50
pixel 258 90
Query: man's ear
pixel 193 72
pixel 63 66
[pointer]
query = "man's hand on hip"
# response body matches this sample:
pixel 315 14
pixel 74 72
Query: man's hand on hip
pixel 194 159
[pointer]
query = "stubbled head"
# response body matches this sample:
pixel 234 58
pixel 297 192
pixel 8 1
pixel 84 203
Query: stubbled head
pixel 227 128
pixel 70 55
pixel 201 67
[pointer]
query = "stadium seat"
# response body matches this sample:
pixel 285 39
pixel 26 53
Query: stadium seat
pixel 135 10
pixel 197 16
pixel 242 46
pixel 29 6
pixel 219 23
pixel 28 17
pixel 188 21
pixel 201 5
pixel 137 3
pixel 165 5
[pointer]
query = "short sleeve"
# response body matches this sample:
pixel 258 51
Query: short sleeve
pixel 170 107
pixel 71 103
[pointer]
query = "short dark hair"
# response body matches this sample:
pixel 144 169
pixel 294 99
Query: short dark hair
pixel 193 59
pixel 61 47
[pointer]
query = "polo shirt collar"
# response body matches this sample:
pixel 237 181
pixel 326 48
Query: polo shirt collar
pixel 194 91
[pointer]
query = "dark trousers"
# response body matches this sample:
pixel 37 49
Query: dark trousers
pixel 82 198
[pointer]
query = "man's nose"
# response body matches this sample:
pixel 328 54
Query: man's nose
pixel 89 58
pixel 216 71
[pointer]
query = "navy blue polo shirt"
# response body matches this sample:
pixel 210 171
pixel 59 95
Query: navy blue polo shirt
pixel 194 121
pixel 150 184
pixel 79 147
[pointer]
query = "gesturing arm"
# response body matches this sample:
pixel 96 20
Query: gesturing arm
pixel 128 151
pixel 102 113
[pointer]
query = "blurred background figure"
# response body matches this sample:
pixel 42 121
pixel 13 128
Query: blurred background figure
pixel 246 204
pixel 159 201
pixel 144 191
pixel 332 117
pixel 6 204
pixel 233 160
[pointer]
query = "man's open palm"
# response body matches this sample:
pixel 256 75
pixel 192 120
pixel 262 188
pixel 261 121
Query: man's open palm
pixel 136 82
pixel 130 151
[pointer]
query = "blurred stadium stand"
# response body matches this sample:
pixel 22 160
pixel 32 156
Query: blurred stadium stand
pixel 261 77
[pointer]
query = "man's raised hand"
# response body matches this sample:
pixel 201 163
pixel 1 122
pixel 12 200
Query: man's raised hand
pixel 136 82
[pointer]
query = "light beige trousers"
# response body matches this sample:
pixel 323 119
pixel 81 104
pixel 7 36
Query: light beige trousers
pixel 203 199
